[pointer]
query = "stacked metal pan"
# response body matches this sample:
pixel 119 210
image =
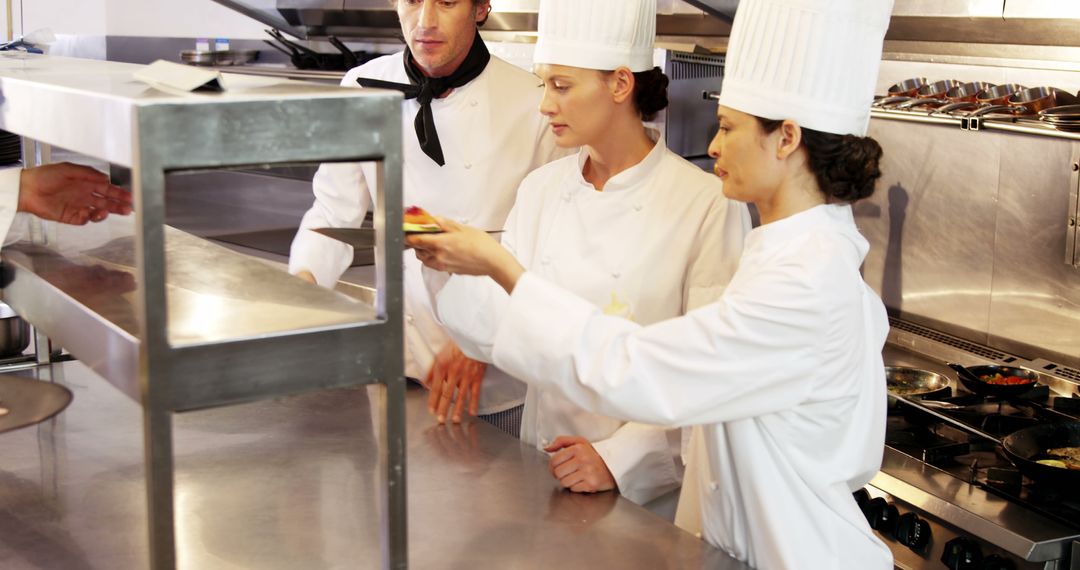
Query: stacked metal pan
pixel 1064 118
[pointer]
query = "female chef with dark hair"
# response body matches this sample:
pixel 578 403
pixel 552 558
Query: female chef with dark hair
pixel 625 224
pixel 782 377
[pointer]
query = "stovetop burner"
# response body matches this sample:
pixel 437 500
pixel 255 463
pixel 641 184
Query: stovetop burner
pixel 978 460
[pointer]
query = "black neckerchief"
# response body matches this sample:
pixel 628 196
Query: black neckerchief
pixel 424 89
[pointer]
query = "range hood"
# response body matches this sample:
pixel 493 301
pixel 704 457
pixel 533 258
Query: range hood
pixel 372 19
pixel 1017 22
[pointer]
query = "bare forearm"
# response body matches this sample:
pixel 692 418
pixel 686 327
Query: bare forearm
pixel 506 270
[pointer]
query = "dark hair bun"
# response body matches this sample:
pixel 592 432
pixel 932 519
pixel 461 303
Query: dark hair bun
pixel 846 166
pixel 650 92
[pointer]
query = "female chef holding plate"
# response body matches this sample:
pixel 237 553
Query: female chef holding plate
pixel 782 377
pixel 625 224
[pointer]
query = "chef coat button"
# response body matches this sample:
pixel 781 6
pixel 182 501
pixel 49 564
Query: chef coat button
pixel 545 260
pixel 566 196
pixel 616 274
pixel 714 486
pixel 468 165
pixel 474 102
pixel 465 220
pixel 638 207
pixel 409 318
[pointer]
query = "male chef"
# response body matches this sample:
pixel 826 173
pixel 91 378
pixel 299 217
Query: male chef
pixel 471 133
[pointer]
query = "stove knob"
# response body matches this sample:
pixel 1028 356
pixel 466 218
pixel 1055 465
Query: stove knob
pixel 995 562
pixel 912 531
pixel 882 515
pixel 862 498
pixel 962 554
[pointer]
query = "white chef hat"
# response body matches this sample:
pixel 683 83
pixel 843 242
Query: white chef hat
pixel 812 61
pixel 597 34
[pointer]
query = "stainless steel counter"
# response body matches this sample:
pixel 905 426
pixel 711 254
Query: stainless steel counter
pixel 291 483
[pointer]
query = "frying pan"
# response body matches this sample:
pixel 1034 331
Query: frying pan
pixel 969 376
pixel 1025 447
pixel 914 383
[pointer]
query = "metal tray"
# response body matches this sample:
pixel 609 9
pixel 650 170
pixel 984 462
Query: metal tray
pixel 29 401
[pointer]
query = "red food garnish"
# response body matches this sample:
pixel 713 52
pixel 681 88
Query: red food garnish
pixel 417 215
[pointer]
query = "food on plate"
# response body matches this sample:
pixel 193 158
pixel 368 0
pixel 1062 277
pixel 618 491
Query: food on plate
pixel 1069 457
pixel 418 220
pixel 1000 379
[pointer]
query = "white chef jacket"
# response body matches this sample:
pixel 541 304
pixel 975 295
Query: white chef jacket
pixel 782 379
pixel 660 239
pixel 9 199
pixel 492 135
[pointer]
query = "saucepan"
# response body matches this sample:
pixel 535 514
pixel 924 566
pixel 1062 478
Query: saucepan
pixel 1025 448
pixel 902 91
pixel 931 94
pixel 996 99
pixel 14 332
pixel 1036 99
pixel 963 96
pixel 977 379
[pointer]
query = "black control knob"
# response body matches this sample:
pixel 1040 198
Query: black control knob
pixel 995 562
pixel 882 515
pixel 962 553
pixel 862 498
pixel 912 531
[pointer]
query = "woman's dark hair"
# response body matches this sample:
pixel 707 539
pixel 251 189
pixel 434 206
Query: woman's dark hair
pixel 650 93
pixel 845 166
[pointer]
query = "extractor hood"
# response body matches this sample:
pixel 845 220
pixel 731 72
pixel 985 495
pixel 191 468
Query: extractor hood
pixel 1018 22
pixel 372 19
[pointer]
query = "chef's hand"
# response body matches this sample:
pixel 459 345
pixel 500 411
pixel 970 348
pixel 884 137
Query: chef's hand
pixel 71 194
pixel 577 465
pixel 454 372
pixel 468 251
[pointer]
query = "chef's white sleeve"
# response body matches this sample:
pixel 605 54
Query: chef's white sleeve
pixel 9 199
pixel 643 459
pixel 469 308
pixel 717 251
pixel 342 199
pixel 737 358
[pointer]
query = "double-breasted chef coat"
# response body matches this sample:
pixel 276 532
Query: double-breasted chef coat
pixel 492 135
pixel 659 239
pixel 782 379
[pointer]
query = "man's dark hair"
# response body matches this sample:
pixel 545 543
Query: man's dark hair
pixel 474 2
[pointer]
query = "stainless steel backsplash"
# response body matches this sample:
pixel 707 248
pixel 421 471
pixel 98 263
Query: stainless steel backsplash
pixel 968 236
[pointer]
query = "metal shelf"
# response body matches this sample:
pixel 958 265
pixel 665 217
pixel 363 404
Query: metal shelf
pixel 178 323
pixel 1014 125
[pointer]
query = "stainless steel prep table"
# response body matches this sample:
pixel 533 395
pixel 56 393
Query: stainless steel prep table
pixel 291 483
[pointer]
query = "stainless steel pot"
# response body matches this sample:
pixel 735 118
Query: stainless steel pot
pixel 14 332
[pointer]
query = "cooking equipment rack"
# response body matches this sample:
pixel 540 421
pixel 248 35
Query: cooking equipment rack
pixel 178 323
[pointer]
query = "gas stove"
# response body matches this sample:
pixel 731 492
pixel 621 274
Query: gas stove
pixel 945 496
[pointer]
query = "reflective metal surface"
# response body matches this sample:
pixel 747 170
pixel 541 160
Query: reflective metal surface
pixel 968 234
pixel 946 495
pixel 25 402
pixel 97 109
pixel 292 483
